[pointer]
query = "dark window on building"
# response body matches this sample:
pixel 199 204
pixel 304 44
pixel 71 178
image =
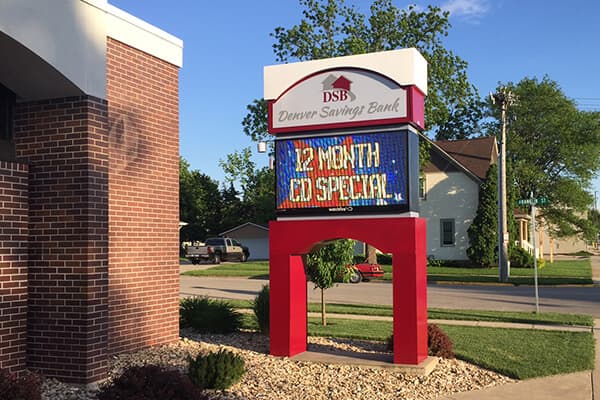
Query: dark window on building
pixel 7 112
pixel 447 232
pixel 422 188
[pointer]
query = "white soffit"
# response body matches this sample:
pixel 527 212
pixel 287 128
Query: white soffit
pixel 143 36
pixel 404 66
pixel 53 48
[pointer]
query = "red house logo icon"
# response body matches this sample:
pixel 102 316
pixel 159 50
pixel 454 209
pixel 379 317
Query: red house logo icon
pixel 337 88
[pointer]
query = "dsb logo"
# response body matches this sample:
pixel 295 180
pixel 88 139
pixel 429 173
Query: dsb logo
pixel 337 88
pixel 335 95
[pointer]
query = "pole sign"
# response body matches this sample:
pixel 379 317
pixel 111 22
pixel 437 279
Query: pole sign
pixel 346 133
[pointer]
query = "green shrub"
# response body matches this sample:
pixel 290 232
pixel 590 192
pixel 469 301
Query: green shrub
pixel 151 382
pixel 27 386
pixel 216 370
pixel 541 263
pixel 433 262
pixel 438 343
pixel 205 315
pixel 483 242
pixel 261 309
pixel 520 258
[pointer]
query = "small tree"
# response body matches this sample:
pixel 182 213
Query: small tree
pixel 483 232
pixel 327 264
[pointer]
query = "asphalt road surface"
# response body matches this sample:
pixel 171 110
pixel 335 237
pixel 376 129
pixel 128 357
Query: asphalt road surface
pixel 573 299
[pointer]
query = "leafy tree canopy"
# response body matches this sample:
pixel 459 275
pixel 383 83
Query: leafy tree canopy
pixel 330 28
pixel 209 210
pixel 257 186
pixel 553 150
pixel 327 264
pixel 199 203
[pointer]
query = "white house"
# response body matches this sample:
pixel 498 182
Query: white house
pixel 449 193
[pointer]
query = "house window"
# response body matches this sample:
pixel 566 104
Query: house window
pixel 447 232
pixel 422 188
pixel 7 110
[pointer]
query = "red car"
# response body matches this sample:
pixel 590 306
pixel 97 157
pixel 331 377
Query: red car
pixel 365 271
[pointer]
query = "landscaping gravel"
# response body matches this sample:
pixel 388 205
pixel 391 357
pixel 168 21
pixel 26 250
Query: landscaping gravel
pixel 277 378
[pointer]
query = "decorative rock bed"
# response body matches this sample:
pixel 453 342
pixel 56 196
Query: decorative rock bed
pixel 276 378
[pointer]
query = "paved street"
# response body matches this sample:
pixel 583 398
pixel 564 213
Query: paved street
pixel 584 300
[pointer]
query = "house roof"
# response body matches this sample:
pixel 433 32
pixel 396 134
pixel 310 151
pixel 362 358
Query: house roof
pixel 242 226
pixel 475 155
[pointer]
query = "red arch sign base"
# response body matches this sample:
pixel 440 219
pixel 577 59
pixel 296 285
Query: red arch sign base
pixel 404 238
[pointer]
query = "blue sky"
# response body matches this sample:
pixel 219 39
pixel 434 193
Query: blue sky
pixel 227 43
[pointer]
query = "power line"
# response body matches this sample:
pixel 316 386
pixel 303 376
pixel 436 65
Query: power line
pixel 587 103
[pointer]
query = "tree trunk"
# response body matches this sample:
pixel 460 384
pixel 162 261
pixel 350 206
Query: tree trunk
pixel 323 317
pixel 371 254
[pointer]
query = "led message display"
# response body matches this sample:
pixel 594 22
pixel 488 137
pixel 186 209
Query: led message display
pixel 353 173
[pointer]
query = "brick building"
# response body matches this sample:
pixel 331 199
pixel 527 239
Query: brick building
pixel 89 209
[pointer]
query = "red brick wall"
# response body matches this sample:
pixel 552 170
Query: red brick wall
pixel 65 143
pixel 13 265
pixel 142 93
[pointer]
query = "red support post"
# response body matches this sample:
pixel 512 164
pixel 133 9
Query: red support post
pixel 409 280
pixel 288 316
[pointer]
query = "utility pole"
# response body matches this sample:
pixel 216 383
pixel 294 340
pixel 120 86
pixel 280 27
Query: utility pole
pixel 504 98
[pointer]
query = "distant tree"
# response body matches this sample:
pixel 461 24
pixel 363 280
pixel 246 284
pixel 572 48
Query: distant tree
pixel 483 232
pixel 593 230
pixel 260 196
pixel 233 212
pixel 239 169
pixel 199 203
pixel 327 264
pixel 553 150
pixel 257 203
pixel 255 123
pixel 330 28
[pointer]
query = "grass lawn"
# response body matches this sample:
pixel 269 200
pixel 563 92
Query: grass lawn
pixel 523 353
pixel 255 270
pixel 522 317
pixel 558 273
pixel 518 353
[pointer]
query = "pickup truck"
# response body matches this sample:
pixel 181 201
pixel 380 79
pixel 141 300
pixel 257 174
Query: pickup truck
pixel 216 250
